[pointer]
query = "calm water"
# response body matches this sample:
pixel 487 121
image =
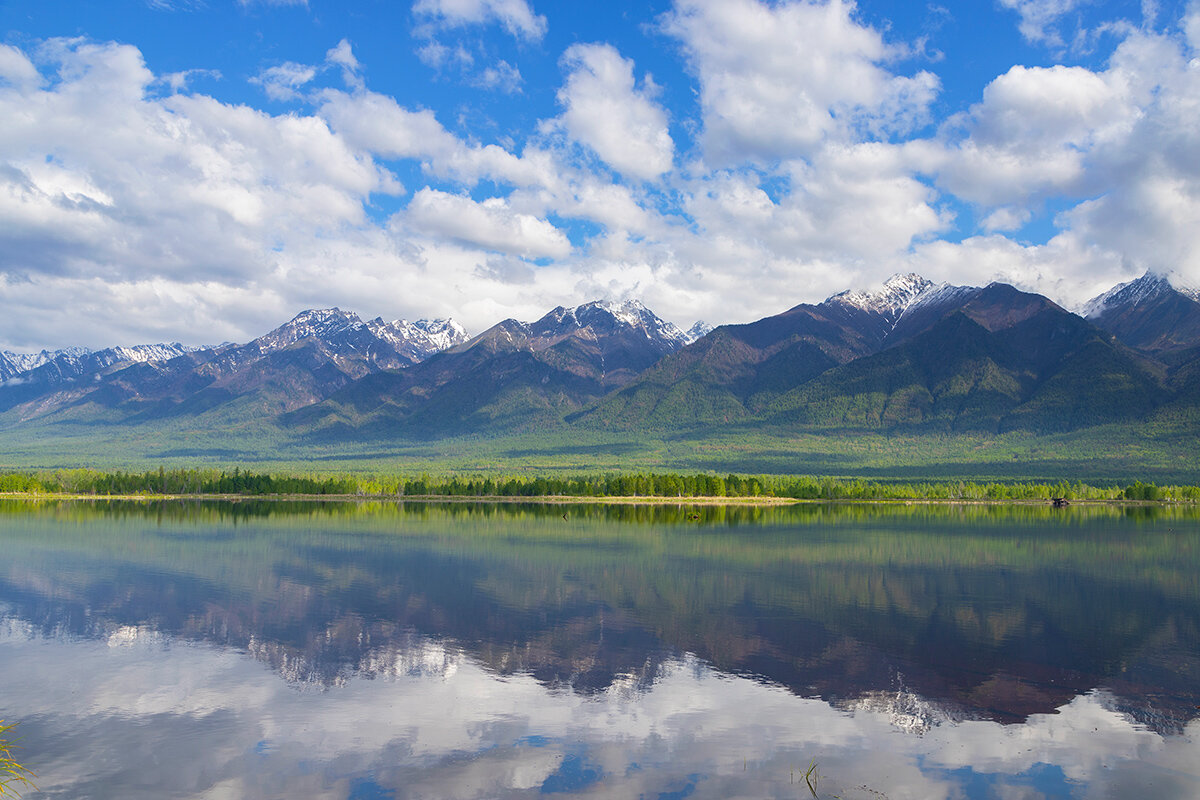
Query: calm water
pixel 369 651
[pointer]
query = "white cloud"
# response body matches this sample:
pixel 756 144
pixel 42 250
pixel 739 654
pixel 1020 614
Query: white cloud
pixel 178 81
pixel 343 56
pixel 803 178
pixel 491 224
pixel 606 112
pixel 514 15
pixel 16 69
pixel 100 181
pixel 1039 17
pixel 377 124
pixel 438 56
pixel 1118 141
pixel 1032 134
pixel 501 76
pixel 1006 218
pixel 281 82
pixel 777 81
pixel 1191 26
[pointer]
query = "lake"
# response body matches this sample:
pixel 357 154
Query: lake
pixel 363 651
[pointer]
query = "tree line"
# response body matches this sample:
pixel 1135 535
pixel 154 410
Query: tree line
pixel 640 484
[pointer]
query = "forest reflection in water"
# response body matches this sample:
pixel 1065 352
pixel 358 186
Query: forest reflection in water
pixel 932 623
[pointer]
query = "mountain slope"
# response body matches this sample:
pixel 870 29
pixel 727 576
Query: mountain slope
pixel 736 370
pixel 1002 360
pixel 297 364
pixel 514 375
pixel 1149 314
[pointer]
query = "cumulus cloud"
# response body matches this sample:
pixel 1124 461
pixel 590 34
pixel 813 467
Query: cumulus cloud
pixel 1114 141
pixel 376 123
pixel 491 224
pixel 777 81
pixel 1033 132
pixel 514 15
pixel 608 113
pixel 803 167
pixel 102 181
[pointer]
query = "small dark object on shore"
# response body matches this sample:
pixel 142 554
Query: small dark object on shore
pixel 1060 502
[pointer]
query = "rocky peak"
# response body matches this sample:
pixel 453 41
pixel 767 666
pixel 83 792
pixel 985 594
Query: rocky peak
pixel 321 323
pixel 890 300
pixel 698 331
pixel 601 316
pixel 1132 293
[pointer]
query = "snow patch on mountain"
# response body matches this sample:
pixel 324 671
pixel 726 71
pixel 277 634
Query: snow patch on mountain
pixel 27 361
pixel 636 315
pixel 890 300
pixel 599 315
pixel 1141 290
pixel 71 363
pixel 345 333
pixel 320 323
pixel 698 331
pixel 940 294
pixel 421 339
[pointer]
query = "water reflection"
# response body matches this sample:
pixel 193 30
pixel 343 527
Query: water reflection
pixel 915 651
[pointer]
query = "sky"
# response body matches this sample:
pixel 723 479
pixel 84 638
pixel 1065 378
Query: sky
pixel 202 170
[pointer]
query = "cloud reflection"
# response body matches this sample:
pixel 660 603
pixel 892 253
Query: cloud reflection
pixel 140 714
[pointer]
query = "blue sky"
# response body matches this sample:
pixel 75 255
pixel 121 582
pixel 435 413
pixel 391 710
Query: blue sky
pixel 201 170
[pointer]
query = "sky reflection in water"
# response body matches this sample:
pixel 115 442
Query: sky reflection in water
pixel 363 653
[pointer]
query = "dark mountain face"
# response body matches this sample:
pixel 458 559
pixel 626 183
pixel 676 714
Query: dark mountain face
pixel 513 375
pixel 1149 314
pixel 737 370
pixel 1004 359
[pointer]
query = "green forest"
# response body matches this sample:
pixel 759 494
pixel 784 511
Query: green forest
pixel 191 482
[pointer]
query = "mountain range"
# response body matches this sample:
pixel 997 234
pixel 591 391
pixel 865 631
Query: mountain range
pixel 910 356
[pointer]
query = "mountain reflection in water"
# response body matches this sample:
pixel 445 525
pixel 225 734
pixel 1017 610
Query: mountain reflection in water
pixel 964 630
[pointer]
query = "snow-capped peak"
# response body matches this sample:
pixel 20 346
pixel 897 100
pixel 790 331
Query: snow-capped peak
pixel 890 300
pixel 629 312
pixel 632 314
pixel 442 333
pixel 419 339
pixel 348 334
pixel 1135 292
pixel 938 294
pixel 322 323
pixel 698 331
pixel 604 317
pixel 27 361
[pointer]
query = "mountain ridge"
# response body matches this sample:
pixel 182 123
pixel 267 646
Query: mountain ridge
pixel 909 356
